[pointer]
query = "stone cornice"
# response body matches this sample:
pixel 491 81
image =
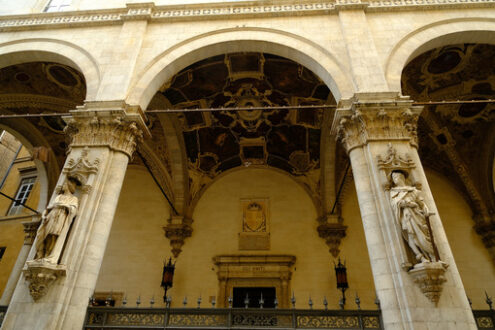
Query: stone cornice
pixel 221 10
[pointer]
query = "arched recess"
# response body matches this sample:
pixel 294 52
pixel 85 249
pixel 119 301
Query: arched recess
pixel 52 50
pixel 314 57
pixel 30 137
pixel 438 34
pixel 194 202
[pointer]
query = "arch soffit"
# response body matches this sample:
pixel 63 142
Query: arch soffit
pixel 199 195
pixel 53 50
pixel 324 64
pixel 30 137
pixel 438 34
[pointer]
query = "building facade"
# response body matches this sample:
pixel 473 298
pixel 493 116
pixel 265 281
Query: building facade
pixel 256 143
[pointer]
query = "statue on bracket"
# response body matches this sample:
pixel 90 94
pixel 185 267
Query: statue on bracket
pixel 56 220
pixel 412 214
pixel 412 217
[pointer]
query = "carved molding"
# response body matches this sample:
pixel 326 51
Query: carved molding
pixel 177 230
pixel 109 131
pixel 30 229
pixel 364 121
pixel 193 12
pixel 332 232
pixel 36 101
pixel 430 278
pixel 41 276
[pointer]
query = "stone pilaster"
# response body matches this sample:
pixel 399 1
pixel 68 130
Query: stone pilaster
pixel 416 292
pixel 103 136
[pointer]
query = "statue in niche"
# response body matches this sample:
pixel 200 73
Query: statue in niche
pixel 412 214
pixel 56 220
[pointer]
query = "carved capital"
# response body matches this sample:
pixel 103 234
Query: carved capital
pixel 30 229
pixel 430 278
pixel 177 230
pixel 109 131
pixel 41 276
pixel 332 233
pixel 358 122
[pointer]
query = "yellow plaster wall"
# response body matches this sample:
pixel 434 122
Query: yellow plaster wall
pixel 11 228
pixel 12 237
pixel 472 258
pixel 137 246
pixel 217 222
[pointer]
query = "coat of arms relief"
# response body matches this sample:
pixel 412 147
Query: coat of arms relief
pixel 254 234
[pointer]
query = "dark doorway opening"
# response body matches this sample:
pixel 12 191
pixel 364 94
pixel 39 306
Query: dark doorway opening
pixel 254 296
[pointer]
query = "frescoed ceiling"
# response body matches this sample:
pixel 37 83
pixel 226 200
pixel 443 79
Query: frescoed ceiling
pixel 215 142
pixel 453 136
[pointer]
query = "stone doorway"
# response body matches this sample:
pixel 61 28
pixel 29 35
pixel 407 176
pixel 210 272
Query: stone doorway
pixel 254 271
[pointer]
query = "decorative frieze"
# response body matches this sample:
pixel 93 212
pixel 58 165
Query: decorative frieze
pixel 226 10
pixel 361 122
pixel 109 131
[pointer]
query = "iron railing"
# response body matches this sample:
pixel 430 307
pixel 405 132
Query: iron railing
pixel 485 319
pixel 229 318
pixel 234 318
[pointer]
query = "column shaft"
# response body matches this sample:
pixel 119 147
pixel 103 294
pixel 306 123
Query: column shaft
pixel 417 290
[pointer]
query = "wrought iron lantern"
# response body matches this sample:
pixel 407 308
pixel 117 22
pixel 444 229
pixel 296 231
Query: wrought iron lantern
pixel 342 284
pixel 167 277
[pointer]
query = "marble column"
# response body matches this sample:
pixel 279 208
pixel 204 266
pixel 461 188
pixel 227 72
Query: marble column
pixel 378 130
pixel 30 229
pixel 103 137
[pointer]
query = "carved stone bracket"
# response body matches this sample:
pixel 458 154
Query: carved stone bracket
pixel 358 122
pixel 177 230
pixel 430 278
pixel 41 276
pixel 487 232
pixel 332 233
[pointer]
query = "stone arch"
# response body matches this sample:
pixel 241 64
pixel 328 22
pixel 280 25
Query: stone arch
pixel 52 50
pixel 438 34
pixel 30 137
pixel 314 57
pixel 201 192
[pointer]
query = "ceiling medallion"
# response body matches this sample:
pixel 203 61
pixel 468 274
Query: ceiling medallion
pixel 248 96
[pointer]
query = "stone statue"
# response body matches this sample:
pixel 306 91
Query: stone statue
pixel 56 220
pixel 412 214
